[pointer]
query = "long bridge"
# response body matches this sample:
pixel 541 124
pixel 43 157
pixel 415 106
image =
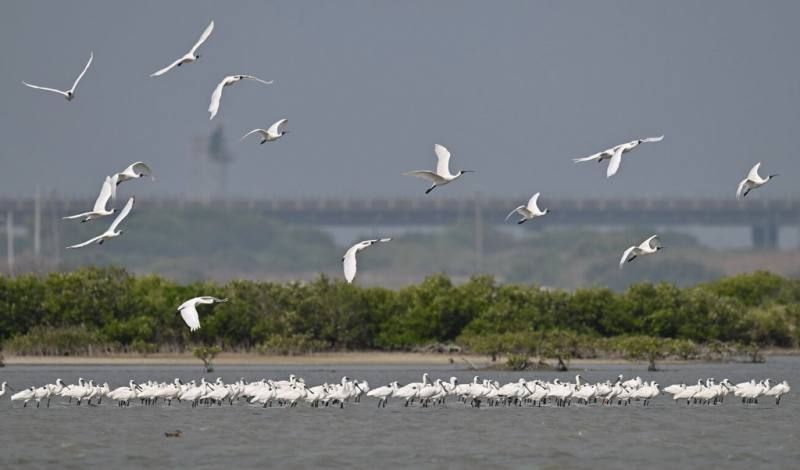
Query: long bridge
pixel 764 216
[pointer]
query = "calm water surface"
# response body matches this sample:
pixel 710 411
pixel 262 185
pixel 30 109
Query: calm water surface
pixel 663 435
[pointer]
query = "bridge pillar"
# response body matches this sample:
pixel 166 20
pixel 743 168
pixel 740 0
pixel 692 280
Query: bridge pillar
pixel 765 235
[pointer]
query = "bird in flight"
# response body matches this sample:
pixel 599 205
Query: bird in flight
pixel 275 132
pixel 69 94
pixel 112 231
pixel 216 96
pixel 647 247
pixel 753 181
pixel 615 154
pixel 442 175
pixel 133 171
pixel 529 211
pixel 188 310
pixel 99 209
pixel 190 56
pixel 349 258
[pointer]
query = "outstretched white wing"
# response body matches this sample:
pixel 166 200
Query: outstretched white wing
pixel 653 139
pixel 189 314
pixel 278 127
pixel 261 131
pixel 62 93
pixel 626 255
pixel 428 175
pixel 87 242
pixel 740 190
pixel 167 68
pixel 753 175
pixel 114 183
pixel 216 96
pixel 141 168
pixel 203 38
pixel 514 212
pixel 442 160
pixel 105 195
pixel 533 203
pixel 349 263
pixel 124 213
pixel 253 77
pixel 613 164
pixel 653 242
pixel 74 85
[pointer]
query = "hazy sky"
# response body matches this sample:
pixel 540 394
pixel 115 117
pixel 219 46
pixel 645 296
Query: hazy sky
pixel 514 89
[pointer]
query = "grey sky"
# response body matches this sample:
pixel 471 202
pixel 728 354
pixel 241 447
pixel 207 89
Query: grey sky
pixel 514 89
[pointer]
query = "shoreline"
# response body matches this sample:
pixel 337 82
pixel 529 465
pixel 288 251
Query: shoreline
pixel 374 358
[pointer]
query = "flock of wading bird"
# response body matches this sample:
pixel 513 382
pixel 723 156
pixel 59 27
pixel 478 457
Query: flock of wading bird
pixel 439 177
pixel 427 393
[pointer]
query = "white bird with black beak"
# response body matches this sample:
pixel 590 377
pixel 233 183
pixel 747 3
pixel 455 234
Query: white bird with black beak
pixel 753 181
pixel 99 209
pixel 529 211
pixel 216 96
pixel 112 231
pixel 134 171
pixel 647 247
pixel 188 310
pixel 190 56
pixel 442 175
pixel 349 258
pixel 69 94
pixel 615 154
pixel 275 132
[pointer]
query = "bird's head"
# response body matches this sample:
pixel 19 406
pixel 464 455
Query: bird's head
pixel 465 171
pixel 547 211
pixel 772 176
pixel 197 56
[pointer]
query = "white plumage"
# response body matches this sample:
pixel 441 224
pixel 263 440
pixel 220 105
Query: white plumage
pixel 753 181
pixel 190 56
pixel 69 94
pixel 529 211
pixel 112 231
pixel 615 154
pixel 442 175
pixel 188 310
pixel 216 96
pixel 275 131
pixel 99 209
pixel 647 247
pixel 349 258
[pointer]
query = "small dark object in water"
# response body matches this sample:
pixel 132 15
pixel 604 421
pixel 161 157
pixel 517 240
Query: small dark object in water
pixel 176 433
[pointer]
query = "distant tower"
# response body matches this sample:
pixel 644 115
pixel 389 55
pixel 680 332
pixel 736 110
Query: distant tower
pixel 218 153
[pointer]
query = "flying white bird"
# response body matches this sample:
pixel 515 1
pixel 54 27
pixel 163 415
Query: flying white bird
pixel 99 209
pixel 753 181
pixel 69 94
pixel 647 247
pixel 275 132
pixel 133 171
pixel 442 175
pixel 112 231
pixel 615 154
pixel 188 310
pixel 190 56
pixel 216 96
pixel 531 211
pixel 349 258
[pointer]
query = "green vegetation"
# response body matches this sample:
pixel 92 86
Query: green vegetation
pixel 108 310
pixel 207 354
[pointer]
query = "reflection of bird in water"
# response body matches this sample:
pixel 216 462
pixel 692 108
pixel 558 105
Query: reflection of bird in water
pixel 175 433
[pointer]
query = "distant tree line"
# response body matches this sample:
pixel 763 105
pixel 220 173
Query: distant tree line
pixel 106 310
